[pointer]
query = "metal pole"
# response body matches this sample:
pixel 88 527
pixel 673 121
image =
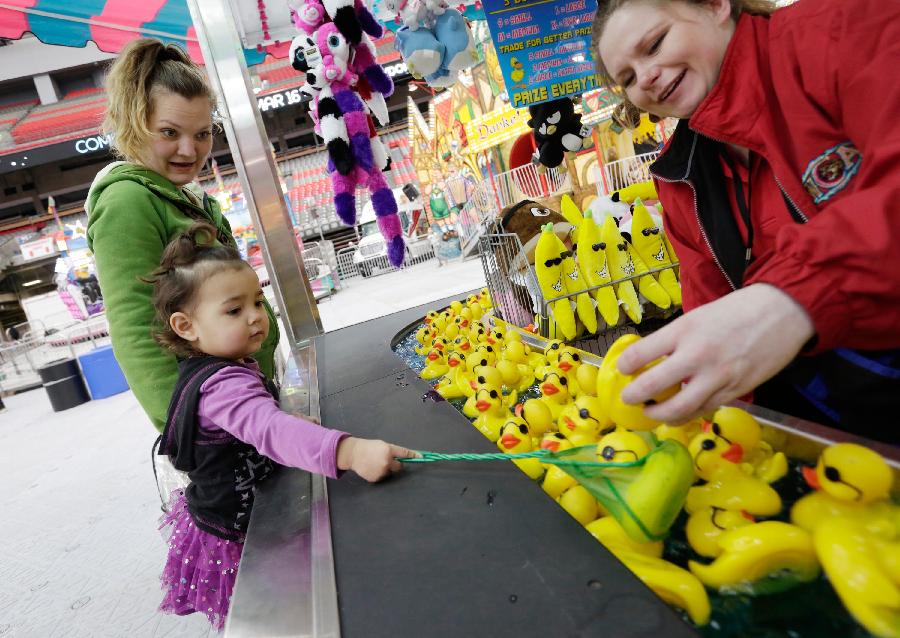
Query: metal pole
pixel 227 70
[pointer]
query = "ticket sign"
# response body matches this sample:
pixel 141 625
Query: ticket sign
pixel 544 47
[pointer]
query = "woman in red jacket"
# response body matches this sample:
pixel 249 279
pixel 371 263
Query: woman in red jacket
pixel 780 187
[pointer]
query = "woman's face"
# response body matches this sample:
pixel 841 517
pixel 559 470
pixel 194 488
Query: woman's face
pixel 181 136
pixel 666 55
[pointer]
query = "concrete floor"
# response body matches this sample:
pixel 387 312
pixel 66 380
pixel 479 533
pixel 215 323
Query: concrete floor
pixel 81 555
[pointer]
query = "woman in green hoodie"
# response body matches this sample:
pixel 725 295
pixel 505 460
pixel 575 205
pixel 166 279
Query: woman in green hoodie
pixel 160 117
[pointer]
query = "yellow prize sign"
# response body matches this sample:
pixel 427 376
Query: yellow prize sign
pixel 496 127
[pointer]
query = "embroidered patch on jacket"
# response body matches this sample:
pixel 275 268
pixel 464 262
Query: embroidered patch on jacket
pixel 831 171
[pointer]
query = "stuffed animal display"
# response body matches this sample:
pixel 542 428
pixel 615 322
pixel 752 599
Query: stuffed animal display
pixel 603 256
pixel 348 87
pixel 557 129
pixel 434 40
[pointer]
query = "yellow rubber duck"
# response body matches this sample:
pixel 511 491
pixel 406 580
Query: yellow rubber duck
pixel 482 355
pixel 474 307
pixel 492 413
pixel 483 378
pixel 610 383
pixel 435 365
pixel 556 442
pixel 552 350
pixel 484 298
pixel 681 433
pixel 862 562
pixel 430 316
pixel 425 336
pixel 751 553
pixel 497 339
pixel 515 438
pixel 705 526
pixel 477 333
pixel 449 385
pixel 586 376
pixel 516 376
pixel 732 489
pixel 712 454
pixel 580 505
pixel 621 446
pixel 554 393
pixel 462 345
pixel 580 421
pixel 674 585
pixel 608 531
pixel 742 432
pixel 515 351
pixel 850 481
pixel 538 416
pixel 569 361
pixel 455 307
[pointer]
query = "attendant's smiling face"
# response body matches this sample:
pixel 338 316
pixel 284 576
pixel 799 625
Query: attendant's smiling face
pixel 182 137
pixel 666 54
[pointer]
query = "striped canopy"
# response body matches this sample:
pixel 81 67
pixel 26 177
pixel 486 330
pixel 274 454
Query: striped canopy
pixel 111 24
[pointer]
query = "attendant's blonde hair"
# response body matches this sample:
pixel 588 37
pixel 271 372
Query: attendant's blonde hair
pixel 143 69
pixel 626 114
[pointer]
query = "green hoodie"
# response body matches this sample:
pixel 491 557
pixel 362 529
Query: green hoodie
pixel 133 213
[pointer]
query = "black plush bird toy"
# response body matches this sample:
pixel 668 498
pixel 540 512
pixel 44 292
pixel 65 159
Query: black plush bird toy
pixel 557 129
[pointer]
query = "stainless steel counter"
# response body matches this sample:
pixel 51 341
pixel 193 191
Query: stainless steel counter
pixel 428 539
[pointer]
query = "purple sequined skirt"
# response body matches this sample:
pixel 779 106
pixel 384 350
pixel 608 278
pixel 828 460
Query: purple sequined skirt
pixel 201 568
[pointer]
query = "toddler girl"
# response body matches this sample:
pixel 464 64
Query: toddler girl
pixel 224 427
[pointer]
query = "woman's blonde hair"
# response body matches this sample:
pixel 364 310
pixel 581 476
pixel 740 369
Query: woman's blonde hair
pixel 626 114
pixel 144 68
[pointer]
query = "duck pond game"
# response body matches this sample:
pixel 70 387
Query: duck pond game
pixel 712 516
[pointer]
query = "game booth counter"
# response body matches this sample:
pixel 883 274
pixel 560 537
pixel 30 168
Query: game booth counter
pixel 443 548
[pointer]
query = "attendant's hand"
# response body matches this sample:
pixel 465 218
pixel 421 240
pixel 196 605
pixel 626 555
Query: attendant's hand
pixel 373 460
pixel 721 351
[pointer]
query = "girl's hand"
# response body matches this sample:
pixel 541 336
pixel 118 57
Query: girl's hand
pixel 371 459
pixel 721 351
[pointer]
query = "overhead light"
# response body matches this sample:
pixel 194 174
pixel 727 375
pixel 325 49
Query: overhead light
pixel 32 282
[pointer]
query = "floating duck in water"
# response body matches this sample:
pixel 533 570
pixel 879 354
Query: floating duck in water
pixel 586 376
pixel 554 393
pixel 674 585
pixel 492 413
pixel 450 385
pixel 485 378
pixel 706 525
pixel 538 417
pixel 477 333
pixel 425 336
pixel 580 504
pixel 754 552
pixel 462 345
pixel 849 480
pixel 734 490
pixel 569 361
pixel 608 531
pixel 497 338
pixel 516 376
pixel 742 432
pixel 435 365
pixel 856 532
pixel 579 421
pixel 621 446
pixel 515 438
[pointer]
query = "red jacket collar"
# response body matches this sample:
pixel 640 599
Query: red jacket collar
pixel 735 110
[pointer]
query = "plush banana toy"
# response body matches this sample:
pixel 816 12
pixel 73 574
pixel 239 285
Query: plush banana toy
pixel 592 259
pixel 549 269
pixel 575 283
pixel 644 190
pixel 648 241
pixel 619 268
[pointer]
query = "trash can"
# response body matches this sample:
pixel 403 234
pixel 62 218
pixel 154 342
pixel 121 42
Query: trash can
pixel 102 373
pixel 64 385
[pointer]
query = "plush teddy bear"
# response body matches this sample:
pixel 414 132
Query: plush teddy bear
pixel 557 129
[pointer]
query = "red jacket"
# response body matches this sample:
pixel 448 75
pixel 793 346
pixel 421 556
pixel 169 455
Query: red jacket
pixel 814 91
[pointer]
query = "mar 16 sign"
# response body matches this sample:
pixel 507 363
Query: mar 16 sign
pixel 544 47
